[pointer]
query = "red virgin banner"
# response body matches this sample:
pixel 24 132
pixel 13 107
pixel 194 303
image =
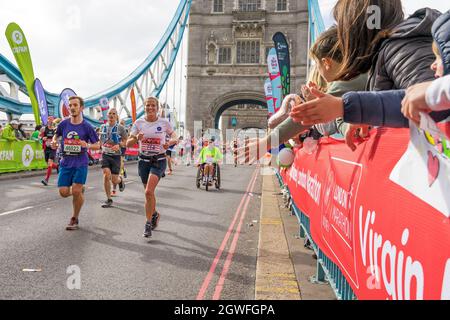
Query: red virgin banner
pixel 381 213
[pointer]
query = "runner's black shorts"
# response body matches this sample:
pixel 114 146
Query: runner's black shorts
pixel 169 153
pixel 152 167
pixel 50 154
pixel 111 162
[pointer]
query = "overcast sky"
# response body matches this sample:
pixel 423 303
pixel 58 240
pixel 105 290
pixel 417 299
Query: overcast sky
pixel 90 45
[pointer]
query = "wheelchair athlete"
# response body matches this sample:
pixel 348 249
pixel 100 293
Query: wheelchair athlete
pixel 209 158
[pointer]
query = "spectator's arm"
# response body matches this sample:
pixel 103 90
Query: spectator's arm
pixel 286 130
pixel 375 108
pixel 438 94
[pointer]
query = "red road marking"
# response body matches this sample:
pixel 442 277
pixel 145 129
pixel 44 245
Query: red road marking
pixel 230 256
pixel 207 281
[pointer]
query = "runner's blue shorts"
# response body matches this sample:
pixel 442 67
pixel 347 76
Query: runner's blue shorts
pixel 70 176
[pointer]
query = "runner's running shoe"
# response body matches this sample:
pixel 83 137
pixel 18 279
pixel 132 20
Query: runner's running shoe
pixel 114 193
pixel 155 220
pixel 73 225
pixel 121 185
pixel 44 182
pixel 148 230
pixel 108 204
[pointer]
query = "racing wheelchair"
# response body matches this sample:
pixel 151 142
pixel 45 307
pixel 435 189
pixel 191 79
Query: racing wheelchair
pixel 203 180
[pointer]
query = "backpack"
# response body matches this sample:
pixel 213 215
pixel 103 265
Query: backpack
pixel 114 134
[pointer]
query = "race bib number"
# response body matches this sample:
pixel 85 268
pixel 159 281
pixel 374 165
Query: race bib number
pixel 151 145
pixel 108 148
pixel 209 159
pixel 72 146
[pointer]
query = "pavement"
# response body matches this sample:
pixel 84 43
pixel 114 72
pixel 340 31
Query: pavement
pixel 284 266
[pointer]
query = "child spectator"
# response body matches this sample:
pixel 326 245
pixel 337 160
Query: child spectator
pixel 328 59
pixel 433 96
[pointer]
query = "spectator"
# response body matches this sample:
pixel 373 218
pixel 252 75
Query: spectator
pixel 20 133
pixel 9 131
pixel 36 134
pixel 328 60
pixel 397 55
pixel 433 96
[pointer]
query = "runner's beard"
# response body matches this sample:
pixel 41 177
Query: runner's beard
pixel 74 116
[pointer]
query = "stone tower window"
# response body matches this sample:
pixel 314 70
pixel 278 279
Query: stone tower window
pixel 281 5
pixel 224 55
pixel 218 6
pixel 248 52
pixel 249 5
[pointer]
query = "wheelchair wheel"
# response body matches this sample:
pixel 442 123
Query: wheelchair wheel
pixel 207 183
pixel 218 178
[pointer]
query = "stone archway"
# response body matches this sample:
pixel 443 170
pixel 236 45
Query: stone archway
pixel 226 101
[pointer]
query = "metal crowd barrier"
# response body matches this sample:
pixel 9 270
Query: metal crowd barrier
pixel 327 271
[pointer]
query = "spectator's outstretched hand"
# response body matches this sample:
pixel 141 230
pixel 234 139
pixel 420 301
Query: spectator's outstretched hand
pixel 415 102
pixel 323 109
pixel 307 90
pixel 354 133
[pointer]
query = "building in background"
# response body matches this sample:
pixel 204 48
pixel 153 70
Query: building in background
pixel 228 45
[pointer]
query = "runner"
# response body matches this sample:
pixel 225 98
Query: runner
pixel 50 153
pixel 235 152
pixel 112 137
pixel 77 137
pixel 151 133
pixel 169 155
pixel 188 145
pixel 123 151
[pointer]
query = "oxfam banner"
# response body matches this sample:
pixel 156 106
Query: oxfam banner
pixel 21 156
pixel 19 46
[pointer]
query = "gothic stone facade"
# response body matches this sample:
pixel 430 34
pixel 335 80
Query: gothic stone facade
pixel 228 44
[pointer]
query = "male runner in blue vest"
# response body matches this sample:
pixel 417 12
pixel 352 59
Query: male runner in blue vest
pixel 112 137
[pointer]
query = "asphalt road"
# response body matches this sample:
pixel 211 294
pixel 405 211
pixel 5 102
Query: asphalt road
pixel 205 247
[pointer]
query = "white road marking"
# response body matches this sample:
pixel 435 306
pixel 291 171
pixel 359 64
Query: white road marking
pixel 15 211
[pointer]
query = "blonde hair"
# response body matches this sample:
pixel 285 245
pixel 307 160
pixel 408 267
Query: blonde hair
pixel 315 76
pixel 436 50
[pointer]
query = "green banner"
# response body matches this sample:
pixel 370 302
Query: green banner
pixel 21 156
pixel 21 51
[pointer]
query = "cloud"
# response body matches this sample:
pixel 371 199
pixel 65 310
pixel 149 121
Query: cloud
pixel 87 45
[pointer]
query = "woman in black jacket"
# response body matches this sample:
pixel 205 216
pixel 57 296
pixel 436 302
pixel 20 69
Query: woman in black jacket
pixel 396 53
